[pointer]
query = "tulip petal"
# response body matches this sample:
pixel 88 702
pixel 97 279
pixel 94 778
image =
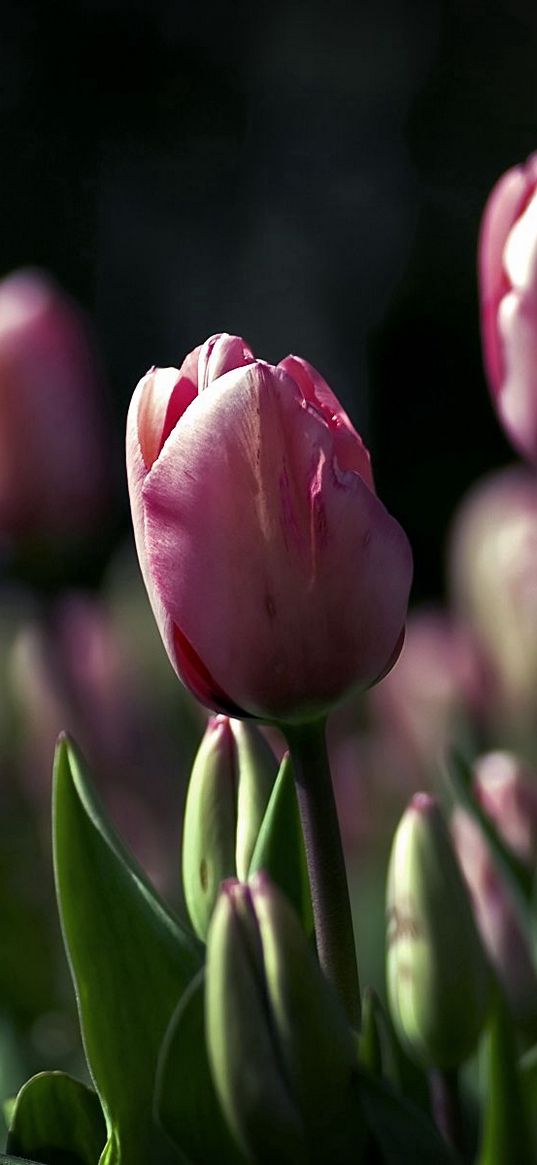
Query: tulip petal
pixel 505 204
pixel 349 447
pixel 220 354
pixel 266 554
pixel 196 676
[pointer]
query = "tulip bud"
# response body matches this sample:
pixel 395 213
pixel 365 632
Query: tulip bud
pixel 508 284
pixel 231 782
pixel 281 613
pixel 54 473
pixel 493 565
pixel 281 1052
pixel 437 974
pixel 498 918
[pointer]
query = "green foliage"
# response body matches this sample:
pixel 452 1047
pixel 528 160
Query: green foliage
pixel 280 845
pixel 400 1131
pixel 57 1118
pixel 185 1101
pixel 130 960
pixel 506 1135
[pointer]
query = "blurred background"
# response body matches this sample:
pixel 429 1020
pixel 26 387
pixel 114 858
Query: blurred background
pixel 310 176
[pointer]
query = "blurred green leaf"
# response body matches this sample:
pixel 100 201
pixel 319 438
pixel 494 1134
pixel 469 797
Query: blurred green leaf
pixel 55 1115
pixel 185 1100
pixel 369 1041
pixel 400 1131
pixel 528 1079
pixel 130 960
pixel 279 849
pixel 505 1135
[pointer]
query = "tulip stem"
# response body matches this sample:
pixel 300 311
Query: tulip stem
pixel 446 1105
pixel 326 863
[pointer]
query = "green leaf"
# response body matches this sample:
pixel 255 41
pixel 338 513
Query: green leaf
pixel 130 961
pixel 369 1040
pixel 528 1079
pixel 55 1114
pixel 185 1099
pixel 506 1136
pixel 401 1132
pixel 279 849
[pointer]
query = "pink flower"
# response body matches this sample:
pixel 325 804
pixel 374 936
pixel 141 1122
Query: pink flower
pixel 54 478
pixel 508 276
pixel 493 569
pixel 278 580
pixel 437 689
pixel 507 790
pixel 497 917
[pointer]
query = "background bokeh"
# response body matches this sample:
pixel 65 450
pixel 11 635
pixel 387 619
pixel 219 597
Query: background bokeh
pixel 308 174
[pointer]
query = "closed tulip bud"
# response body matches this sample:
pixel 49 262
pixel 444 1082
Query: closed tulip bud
pixel 281 1052
pixel 278 580
pixel 437 974
pixel 493 566
pixel 230 785
pixel 508 284
pixel 54 475
pixel 498 918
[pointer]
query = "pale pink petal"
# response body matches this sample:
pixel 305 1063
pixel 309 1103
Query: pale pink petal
pixel 504 205
pixel 220 354
pixel 517 394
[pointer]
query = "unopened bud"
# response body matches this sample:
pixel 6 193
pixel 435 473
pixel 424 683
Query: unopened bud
pixel 437 973
pixel 281 1052
pixel 231 782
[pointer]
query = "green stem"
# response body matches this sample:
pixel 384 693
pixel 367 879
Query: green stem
pixel 326 863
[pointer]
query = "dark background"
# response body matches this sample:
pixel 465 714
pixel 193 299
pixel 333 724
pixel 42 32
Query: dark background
pixel 310 175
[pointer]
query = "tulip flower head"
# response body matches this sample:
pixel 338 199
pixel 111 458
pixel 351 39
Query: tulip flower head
pixel 508 283
pixel 278 579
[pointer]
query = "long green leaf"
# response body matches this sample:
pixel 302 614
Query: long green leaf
pixel 54 1116
pixel 130 960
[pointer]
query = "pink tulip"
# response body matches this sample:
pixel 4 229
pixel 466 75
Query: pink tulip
pixel 437 688
pixel 508 276
pixel 53 467
pixel 493 568
pixel 278 580
pixel 497 917
pixel 507 790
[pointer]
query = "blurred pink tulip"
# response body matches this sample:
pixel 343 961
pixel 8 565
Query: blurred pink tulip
pixel 77 672
pixel 493 568
pixel 507 790
pixel 508 277
pixel 278 579
pixel 497 917
pixel 438 684
pixel 54 477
